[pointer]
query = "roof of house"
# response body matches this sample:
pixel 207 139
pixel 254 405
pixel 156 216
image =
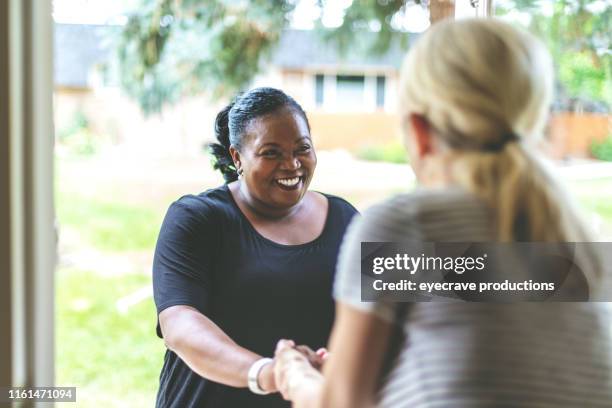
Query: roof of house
pixel 309 49
pixel 81 47
pixel 78 49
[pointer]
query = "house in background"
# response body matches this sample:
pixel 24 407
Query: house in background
pixel 85 91
pixel 330 82
pixel 79 53
pixel 350 98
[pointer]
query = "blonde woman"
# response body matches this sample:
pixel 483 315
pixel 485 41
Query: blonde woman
pixel 474 95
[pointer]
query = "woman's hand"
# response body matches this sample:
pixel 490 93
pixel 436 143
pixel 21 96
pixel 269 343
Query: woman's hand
pixel 266 378
pixel 296 378
pixel 315 358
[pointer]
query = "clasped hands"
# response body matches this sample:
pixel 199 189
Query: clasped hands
pixel 296 370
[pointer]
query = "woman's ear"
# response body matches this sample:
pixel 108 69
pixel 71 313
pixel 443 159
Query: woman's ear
pixel 235 156
pixel 423 137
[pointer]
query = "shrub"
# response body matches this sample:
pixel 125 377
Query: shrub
pixel 392 153
pixel 602 150
pixel 77 138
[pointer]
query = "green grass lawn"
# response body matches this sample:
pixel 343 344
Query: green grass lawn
pixel 109 226
pixel 112 358
pixel 595 195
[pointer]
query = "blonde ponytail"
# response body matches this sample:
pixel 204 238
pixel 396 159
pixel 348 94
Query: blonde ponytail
pixel 478 81
pixel 528 204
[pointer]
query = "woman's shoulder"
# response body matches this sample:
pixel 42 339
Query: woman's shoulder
pixel 207 203
pixel 423 211
pixel 427 201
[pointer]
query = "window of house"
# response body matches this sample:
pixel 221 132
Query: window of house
pixel 350 91
pixel 319 78
pixel 380 91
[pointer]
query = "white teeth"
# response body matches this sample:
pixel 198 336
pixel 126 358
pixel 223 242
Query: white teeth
pixel 289 182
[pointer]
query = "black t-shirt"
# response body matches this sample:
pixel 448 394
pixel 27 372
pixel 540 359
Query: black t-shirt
pixel 210 257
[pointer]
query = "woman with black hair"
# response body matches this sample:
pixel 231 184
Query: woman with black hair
pixel 241 266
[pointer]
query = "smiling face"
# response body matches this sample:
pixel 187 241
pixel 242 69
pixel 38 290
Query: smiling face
pixel 278 159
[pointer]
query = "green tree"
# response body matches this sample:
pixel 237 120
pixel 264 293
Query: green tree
pixel 578 34
pixel 174 48
pixel 170 49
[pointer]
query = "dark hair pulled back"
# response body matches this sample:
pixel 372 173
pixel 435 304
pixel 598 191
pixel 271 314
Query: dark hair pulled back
pixel 232 121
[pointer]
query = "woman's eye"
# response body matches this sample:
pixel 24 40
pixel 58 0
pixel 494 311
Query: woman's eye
pixel 269 153
pixel 304 148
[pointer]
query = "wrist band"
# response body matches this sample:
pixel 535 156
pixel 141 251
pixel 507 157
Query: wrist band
pixel 254 374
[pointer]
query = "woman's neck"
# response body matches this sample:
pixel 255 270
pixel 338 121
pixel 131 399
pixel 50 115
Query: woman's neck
pixel 438 171
pixel 260 209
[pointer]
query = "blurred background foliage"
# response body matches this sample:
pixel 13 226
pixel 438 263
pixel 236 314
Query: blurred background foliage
pixel 391 153
pixel 170 49
pixel 578 33
pixel 603 150
pixel 76 136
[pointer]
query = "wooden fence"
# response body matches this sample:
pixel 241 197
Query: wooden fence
pixel 569 135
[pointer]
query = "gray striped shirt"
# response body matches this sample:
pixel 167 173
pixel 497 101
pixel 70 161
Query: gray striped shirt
pixel 476 354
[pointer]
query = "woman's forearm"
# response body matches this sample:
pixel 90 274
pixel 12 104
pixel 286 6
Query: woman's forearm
pixel 205 348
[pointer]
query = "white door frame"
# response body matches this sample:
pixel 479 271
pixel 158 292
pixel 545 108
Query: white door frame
pixel 27 234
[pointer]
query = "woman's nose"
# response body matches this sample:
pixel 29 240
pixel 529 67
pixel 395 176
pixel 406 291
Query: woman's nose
pixel 291 163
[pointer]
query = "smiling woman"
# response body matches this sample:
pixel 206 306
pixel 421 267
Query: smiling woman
pixel 241 266
pixel 277 163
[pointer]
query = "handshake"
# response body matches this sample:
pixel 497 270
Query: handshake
pixel 294 371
